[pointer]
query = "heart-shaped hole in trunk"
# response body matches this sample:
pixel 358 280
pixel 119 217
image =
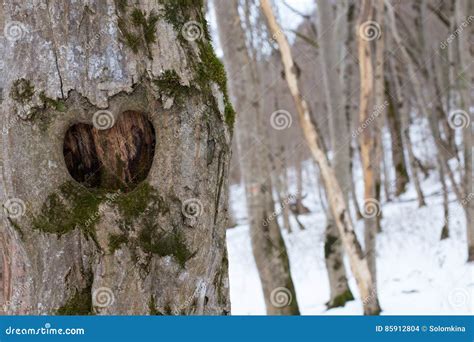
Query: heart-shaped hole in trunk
pixel 117 158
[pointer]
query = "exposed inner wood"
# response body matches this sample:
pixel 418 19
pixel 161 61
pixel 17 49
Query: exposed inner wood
pixel 116 158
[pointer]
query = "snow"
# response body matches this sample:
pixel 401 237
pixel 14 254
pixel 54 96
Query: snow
pixel 417 273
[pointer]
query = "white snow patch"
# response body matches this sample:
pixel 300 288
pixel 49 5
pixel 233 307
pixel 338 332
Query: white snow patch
pixel 417 273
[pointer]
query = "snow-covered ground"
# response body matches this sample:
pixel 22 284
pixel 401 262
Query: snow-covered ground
pixel 417 273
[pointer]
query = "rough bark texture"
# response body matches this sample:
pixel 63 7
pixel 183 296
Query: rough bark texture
pixel 158 248
pixel 335 195
pixel 267 243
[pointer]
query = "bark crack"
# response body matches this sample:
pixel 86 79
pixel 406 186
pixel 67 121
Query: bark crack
pixel 55 52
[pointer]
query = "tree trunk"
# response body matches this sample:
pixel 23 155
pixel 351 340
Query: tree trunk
pixel 125 222
pixel 405 128
pixel 379 107
pixel 442 179
pixel 281 183
pixel 398 148
pixel 267 243
pixel 465 82
pixel 340 292
pixel 336 200
pixel 368 137
pixel 300 209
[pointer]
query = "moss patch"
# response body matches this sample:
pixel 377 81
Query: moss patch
pixel 169 84
pixel 22 90
pixel 178 12
pixel 115 240
pixel 132 204
pixel 153 239
pixel 341 300
pixel 79 304
pixel 209 69
pixel 137 28
pixel 16 226
pixel 152 307
pixel 328 244
pixel 48 102
pixel 229 115
pixel 72 206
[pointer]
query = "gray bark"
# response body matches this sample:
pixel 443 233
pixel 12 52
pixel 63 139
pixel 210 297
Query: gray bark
pixel 398 148
pixel 330 29
pixel 157 249
pixel 464 86
pixel 405 128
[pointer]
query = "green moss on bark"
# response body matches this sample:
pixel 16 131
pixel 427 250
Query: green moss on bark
pixel 153 239
pixel 72 206
pixel 137 28
pixel 328 244
pixel 134 203
pixel 22 90
pixel 170 85
pixel 48 102
pixel 229 115
pixel 79 304
pixel 179 12
pixel 152 307
pixel 341 300
pixel 209 69
pixel 16 226
pixel 116 240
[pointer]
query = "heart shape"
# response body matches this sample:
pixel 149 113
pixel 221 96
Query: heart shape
pixel 117 158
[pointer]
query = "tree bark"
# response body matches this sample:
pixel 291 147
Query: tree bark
pixel 267 243
pixel 158 248
pixel 398 147
pixel 369 136
pixel 332 79
pixel 465 82
pixel 405 128
pixel 336 200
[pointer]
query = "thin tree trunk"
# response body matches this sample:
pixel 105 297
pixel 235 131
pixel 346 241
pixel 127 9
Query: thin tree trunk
pixel 398 147
pixel 282 188
pixel 442 178
pixel 465 85
pixel 379 106
pixel 368 138
pixel 336 199
pixel 405 128
pixel 332 77
pixel 299 206
pixel 267 243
